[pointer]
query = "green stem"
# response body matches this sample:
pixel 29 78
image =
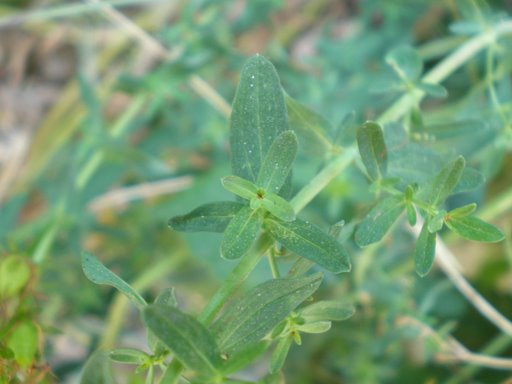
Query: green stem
pixel 273 264
pixel 445 68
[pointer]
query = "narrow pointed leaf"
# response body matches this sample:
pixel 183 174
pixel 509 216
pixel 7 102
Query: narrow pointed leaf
pixel 469 180
pixel 128 356
pixel 425 251
pixel 312 128
pixel 240 187
pixel 191 343
pixel 444 183
pixel 243 357
pixel 99 274
pixel 472 228
pixel 310 242
pixel 278 206
pixel 411 214
pixel 434 90
pixel 254 314
pixel 258 117
pixel 372 148
pixel 279 354
pixel 166 297
pixel 241 233
pixel 315 327
pixel 327 310
pixel 378 221
pixel 211 217
pixel 97 369
pixel 463 211
pixel 277 164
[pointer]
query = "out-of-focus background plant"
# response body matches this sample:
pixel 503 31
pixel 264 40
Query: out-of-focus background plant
pixel 114 117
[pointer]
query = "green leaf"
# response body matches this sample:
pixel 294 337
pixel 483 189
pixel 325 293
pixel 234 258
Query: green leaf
pixel 434 90
pixel 23 342
pixel 192 344
pixel 425 251
pixel 370 141
pixel 278 206
pixel 435 223
pixel 6 353
pixel 463 211
pixel 241 233
pixel 310 242
pixel 97 369
pixel 315 327
pixel 278 162
pixel 327 310
pixel 211 217
pixel 443 184
pixel 311 127
pixel 472 228
pixel 96 272
pixel 379 220
pixel 258 117
pixel 411 214
pixel 243 357
pixel 469 180
pixel 406 62
pixel 166 297
pixel 129 356
pixel 279 354
pixel 240 187
pixel 254 314
pixel 14 275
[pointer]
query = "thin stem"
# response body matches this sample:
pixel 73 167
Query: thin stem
pixel 445 68
pixel 447 262
pixel 322 179
pixel 273 264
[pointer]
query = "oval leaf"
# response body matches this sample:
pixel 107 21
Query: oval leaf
pixel 254 314
pixel 278 206
pixel 14 275
pixel 240 187
pixel 258 117
pixel 278 162
pixel 370 141
pixel 310 242
pixel 241 233
pixel 425 251
pixel 315 327
pixel 211 217
pixel 128 356
pixel 23 342
pixel 187 338
pixel 97 369
pixel 96 272
pixel 441 187
pixel 378 221
pixel 472 228
pixel 327 310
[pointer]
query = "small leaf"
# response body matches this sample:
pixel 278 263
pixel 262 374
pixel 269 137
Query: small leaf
pixel 411 214
pixel 278 206
pixel 187 338
pixel 240 187
pixel 378 221
pixel 434 90
pixel 241 233
pixel 310 242
pixel 211 217
pixel 128 356
pixel 97 369
pixel 472 228
pixel 406 62
pixel 23 342
pixel 166 297
pixel 259 116
pixel 425 251
pixel 469 180
pixel 14 275
pixel 435 223
pixel 96 272
pixel 443 184
pixel 372 148
pixel 242 358
pixel 279 354
pixel 312 128
pixel 315 327
pixel 254 314
pixel 277 164
pixel 327 310
pixel 463 211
